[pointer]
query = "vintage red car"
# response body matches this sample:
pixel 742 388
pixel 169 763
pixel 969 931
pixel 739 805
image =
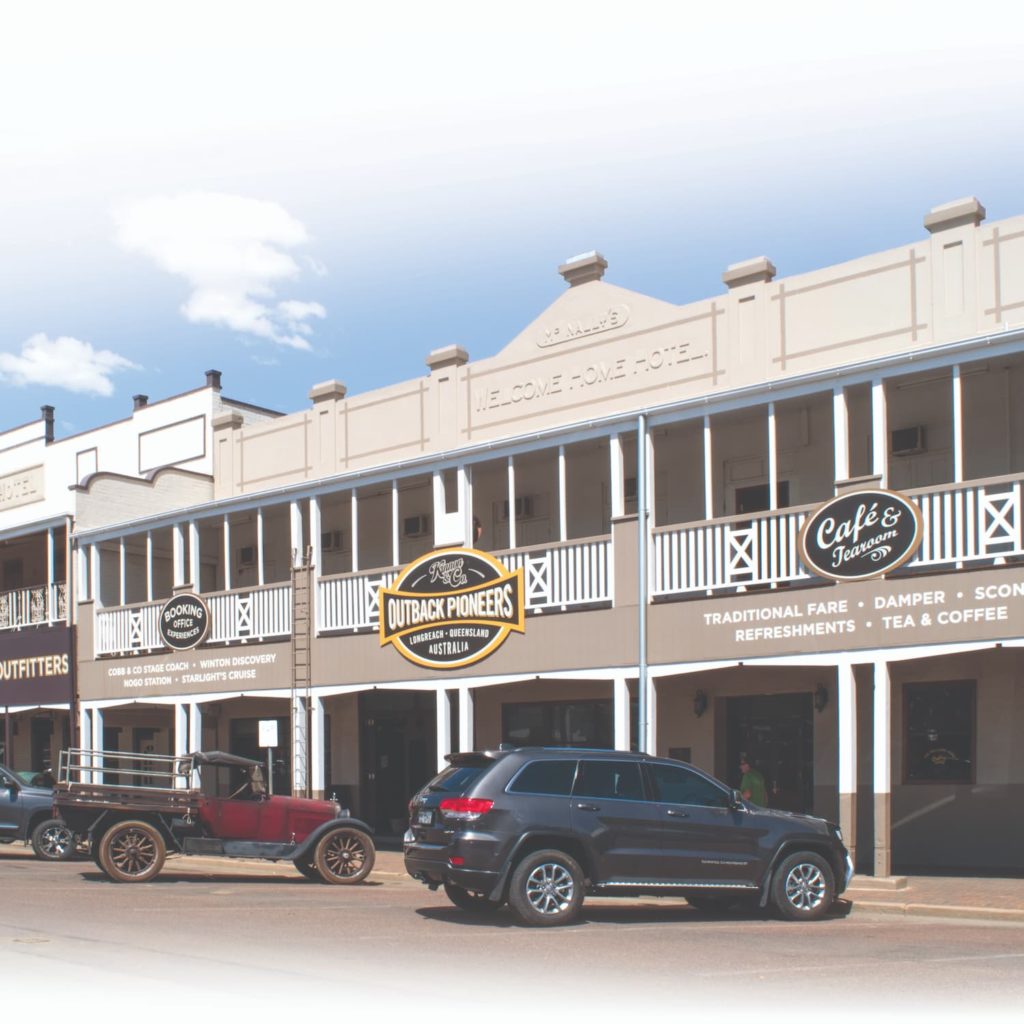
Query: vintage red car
pixel 137 809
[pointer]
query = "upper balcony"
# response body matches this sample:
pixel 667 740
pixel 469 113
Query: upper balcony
pixel 33 588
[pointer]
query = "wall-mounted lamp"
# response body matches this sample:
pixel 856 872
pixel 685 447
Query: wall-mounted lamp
pixel 820 698
pixel 700 703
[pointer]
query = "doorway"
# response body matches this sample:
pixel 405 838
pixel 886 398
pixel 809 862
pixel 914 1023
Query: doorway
pixel 397 746
pixel 777 735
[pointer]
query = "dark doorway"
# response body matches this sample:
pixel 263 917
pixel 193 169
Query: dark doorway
pixel 244 738
pixel 755 498
pixel 398 754
pixel 42 740
pixel 777 735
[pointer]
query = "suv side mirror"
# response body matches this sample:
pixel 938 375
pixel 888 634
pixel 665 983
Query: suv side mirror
pixel 736 803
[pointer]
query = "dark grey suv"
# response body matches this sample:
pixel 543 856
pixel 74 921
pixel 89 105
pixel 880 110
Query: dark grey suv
pixel 541 827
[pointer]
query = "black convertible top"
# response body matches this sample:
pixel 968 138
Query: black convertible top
pixel 219 757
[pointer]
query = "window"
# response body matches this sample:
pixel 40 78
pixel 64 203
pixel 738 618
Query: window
pixel 674 785
pixel 938 724
pixel 610 780
pixel 553 724
pixel 457 778
pixel 547 778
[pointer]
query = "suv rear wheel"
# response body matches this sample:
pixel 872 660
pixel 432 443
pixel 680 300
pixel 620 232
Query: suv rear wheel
pixel 803 888
pixel 466 899
pixel 546 889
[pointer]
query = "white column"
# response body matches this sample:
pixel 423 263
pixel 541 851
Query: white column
pixel 97 742
pixel 841 433
pixel 465 718
pixel 316 748
pixel 193 555
pixel 563 523
pixel 84 732
pixel 616 476
pixel 84 591
pixel 95 579
pixel 958 426
pixel 879 433
pixel 882 775
pixel 620 712
pixel 649 475
pixel 122 585
pixel 180 740
pixel 300 746
pixel 355 531
pixel 650 745
pixel 444 726
pixel 226 537
pixel 847 728
pixel 773 461
pixel 261 575
pixel 511 502
pixel 395 531
pixel 466 505
pixel 195 736
pixel 178 539
pixel 316 536
pixel 295 524
pixel 149 565
pixel 709 476
pixel 50 596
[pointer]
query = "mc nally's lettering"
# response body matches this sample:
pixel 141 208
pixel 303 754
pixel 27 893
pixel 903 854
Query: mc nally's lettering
pixel 591 323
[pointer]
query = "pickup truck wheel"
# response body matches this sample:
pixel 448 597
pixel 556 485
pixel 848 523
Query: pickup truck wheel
pixel 803 887
pixel 344 856
pixel 53 840
pixel 546 889
pixel 132 851
pixel 466 899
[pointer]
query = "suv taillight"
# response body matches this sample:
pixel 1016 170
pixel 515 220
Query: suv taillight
pixel 464 808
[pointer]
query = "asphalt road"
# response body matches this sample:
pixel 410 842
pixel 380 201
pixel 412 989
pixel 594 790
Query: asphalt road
pixel 257 941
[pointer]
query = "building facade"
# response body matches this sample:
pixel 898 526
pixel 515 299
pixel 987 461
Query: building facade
pixel 641 471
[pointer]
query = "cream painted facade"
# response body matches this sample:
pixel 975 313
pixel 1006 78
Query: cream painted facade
pixel 648 467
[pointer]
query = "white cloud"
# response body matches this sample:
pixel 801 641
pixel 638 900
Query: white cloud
pixel 63 363
pixel 233 252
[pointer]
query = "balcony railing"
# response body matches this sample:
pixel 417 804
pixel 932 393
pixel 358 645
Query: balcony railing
pixel 974 522
pixel 558 576
pixel 33 606
pixel 235 617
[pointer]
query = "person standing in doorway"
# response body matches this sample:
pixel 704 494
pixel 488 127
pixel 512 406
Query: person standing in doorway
pixel 752 783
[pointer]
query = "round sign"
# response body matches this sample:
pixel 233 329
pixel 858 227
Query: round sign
pixel 184 622
pixel 861 535
pixel 451 608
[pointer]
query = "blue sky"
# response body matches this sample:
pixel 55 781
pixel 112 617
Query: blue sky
pixel 294 192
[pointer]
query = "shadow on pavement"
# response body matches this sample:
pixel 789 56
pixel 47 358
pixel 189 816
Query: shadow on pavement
pixel 170 878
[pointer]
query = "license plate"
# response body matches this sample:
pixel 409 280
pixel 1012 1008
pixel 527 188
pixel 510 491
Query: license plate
pixel 424 817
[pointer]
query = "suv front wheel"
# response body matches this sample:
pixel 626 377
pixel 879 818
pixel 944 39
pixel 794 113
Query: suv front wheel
pixel 803 888
pixel 546 889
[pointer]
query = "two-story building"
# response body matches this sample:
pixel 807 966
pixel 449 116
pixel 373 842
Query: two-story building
pixel 648 467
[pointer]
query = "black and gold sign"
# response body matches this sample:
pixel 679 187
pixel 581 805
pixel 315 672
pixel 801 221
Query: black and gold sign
pixel 452 608
pixel 184 622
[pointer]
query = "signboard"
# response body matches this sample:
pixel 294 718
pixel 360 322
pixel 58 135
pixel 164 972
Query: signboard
pixel 268 732
pixel 22 488
pixel 860 535
pixel 451 608
pixel 184 622
pixel 35 666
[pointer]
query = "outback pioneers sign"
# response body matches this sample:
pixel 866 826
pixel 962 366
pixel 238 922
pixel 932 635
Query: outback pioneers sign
pixel 452 608
pixel 860 535
pixel 184 622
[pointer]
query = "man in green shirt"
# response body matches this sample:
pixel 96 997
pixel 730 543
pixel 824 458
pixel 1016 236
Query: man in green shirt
pixel 752 783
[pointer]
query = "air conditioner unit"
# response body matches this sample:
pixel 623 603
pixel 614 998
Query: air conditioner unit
pixel 332 540
pixel 416 526
pixel 526 508
pixel 247 557
pixel 907 441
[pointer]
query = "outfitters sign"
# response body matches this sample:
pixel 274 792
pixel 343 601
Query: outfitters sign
pixel 451 608
pixel 184 622
pixel 35 666
pixel 861 535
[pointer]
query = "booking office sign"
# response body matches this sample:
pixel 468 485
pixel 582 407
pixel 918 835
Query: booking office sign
pixel 452 608
pixel 861 535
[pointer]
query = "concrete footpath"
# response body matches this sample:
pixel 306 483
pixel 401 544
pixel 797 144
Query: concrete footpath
pixel 990 899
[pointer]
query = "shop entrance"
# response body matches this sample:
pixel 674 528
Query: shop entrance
pixel 777 735
pixel 398 754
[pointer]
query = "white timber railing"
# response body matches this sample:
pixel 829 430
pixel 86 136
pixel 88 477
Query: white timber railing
pixel 34 606
pixel 236 616
pixel 973 522
pixel 567 575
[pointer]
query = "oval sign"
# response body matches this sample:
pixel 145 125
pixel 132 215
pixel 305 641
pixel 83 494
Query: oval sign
pixel 861 535
pixel 451 608
pixel 184 622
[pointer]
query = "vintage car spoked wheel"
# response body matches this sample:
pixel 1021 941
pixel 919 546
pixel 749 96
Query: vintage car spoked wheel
pixel 344 856
pixel 803 887
pixel 132 851
pixel 466 899
pixel 53 840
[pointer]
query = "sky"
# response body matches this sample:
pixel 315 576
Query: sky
pixel 295 192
